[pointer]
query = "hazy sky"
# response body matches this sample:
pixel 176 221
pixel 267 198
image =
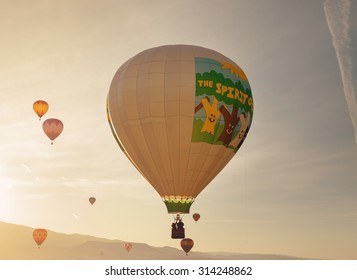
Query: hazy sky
pixel 292 187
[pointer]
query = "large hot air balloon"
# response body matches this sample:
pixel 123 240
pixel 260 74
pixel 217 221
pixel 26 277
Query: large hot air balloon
pixel 53 128
pixel 40 107
pixel 39 235
pixel 128 246
pixel 92 200
pixel 186 245
pixel 179 113
pixel 196 216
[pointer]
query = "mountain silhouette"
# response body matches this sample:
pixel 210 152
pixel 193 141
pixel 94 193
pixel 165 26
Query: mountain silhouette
pixel 16 243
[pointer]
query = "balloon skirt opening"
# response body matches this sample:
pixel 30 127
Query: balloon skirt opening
pixel 178 207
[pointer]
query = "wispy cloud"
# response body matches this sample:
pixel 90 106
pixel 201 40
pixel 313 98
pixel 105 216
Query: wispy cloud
pixel 26 167
pixel 75 216
pixel 337 16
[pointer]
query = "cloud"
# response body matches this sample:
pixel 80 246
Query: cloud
pixel 75 216
pixel 337 16
pixel 26 167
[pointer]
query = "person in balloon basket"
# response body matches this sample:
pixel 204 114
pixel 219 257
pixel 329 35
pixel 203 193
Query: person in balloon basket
pixel 178 230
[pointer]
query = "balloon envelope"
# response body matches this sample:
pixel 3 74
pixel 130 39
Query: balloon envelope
pixel 40 107
pixel 52 128
pixel 196 216
pixel 186 244
pixel 92 200
pixel 39 235
pixel 128 247
pixel 179 113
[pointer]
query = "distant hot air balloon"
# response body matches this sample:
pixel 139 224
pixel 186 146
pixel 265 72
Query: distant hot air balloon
pixel 92 200
pixel 179 113
pixel 128 247
pixel 39 235
pixel 40 107
pixel 196 216
pixel 186 245
pixel 53 128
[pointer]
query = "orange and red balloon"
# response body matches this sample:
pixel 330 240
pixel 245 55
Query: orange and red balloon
pixel 196 216
pixel 52 128
pixel 40 107
pixel 39 235
pixel 186 245
pixel 92 200
pixel 128 247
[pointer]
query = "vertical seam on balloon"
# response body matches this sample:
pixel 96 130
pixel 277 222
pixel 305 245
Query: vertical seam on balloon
pixel 189 151
pixel 130 134
pixel 163 182
pixel 180 91
pixel 167 138
pixel 146 144
pixel 140 118
pixel 116 92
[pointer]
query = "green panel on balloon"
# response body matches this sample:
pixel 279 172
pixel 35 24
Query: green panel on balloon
pixel 178 206
pixel 223 104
